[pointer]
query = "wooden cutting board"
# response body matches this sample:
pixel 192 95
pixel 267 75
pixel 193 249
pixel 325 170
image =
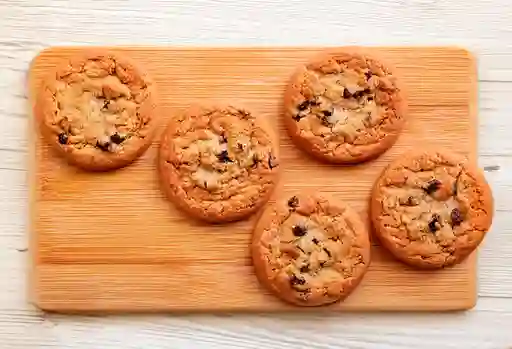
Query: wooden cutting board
pixel 111 241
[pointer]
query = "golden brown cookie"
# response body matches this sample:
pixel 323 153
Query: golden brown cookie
pixel 98 109
pixel 346 107
pixel 309 250
pixel 218 163
pixel 431 208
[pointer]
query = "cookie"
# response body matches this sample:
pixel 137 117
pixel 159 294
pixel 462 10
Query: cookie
pixel 309 250
pixel 431 208
pixel 98 109
pixel 218 163
pixel 346 107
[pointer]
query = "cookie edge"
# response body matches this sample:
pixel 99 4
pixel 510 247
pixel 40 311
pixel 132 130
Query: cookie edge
pixel 260 266
pixel 98 161
pixel 371 151
pixel 376 211
pixel 166 181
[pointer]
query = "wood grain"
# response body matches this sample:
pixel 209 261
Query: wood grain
pixel 123 247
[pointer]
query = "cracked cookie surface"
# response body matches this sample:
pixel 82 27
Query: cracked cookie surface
pixel 431 209
pixel 218 163
pixel 309 250
pixel 345 107
pixel 98 109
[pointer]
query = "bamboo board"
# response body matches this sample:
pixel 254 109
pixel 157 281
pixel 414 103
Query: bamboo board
pixel 111 242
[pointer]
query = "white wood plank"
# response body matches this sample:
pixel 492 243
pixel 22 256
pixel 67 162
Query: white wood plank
pixel 481 26
pixel 458 330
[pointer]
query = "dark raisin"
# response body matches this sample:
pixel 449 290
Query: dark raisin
pixel 346 94
pixel 224 157
pixel 223 138
pixel 271 161
pixel 293 202
pixel 299 230
pixel 358 94
pixel 294 280
pixel 322 264
pixel 303 106
pixel 117 138
pixel 368 75
pixel 105 104
pixel 103 146
pixel 240 146
pixel 432 186
pixel 328 252
pixel 432 225
pixel 327 112
pixel 315 241
pixel 325 121
pixel 370 98
pixel 456 217
pixel 304 269
pixel 63 138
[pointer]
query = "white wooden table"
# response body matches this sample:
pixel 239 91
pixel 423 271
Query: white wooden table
pixel 483 26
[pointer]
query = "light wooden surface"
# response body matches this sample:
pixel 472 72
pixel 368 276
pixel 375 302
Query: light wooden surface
pixel 110 241
pixel 483 26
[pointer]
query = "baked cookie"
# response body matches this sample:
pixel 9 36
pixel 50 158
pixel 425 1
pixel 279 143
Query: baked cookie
pixel 310 251
pixel 98 109
pixel 345 107
pixel 431 209
pixel 218 163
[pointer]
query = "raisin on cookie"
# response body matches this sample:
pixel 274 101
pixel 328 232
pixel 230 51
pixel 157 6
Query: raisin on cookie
pixel 98 109
pixel 431 208
pixel 309 250
pixel 218 163
pixel 346 107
